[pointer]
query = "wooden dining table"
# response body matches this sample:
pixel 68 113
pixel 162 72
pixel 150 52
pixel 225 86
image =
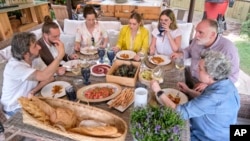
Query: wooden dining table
pixel 15 126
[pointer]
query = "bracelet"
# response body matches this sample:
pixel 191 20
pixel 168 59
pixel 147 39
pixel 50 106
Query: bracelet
pixel 159 93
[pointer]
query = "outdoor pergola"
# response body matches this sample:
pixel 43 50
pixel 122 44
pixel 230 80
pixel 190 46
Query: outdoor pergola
pixel 190 11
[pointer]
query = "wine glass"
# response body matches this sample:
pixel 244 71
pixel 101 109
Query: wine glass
pixel 157 74
pixel 101 53
pixel 76 69
pixel 142 56
pixel 179 63
pixel 111 56
pixel 86 74
pixel 161 30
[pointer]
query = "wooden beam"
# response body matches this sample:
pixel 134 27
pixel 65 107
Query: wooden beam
pixel 191 11
pixel 69 8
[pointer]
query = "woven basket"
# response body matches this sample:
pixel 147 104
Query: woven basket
pixel 83 112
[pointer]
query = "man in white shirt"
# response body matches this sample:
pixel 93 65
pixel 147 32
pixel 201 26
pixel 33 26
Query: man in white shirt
pixel 20 78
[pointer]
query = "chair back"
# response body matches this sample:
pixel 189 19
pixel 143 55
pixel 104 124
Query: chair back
pixel 60 11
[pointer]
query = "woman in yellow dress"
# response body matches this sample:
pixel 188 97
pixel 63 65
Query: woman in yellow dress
pixel 134 37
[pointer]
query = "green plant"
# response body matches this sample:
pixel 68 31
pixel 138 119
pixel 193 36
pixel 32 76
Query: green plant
pixel 245 27
pixel 155 124
pixel 243 46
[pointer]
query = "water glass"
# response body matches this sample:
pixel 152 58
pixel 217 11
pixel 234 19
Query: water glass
pixel 111 56
pixel 141 97
pixel 101 53
pixel 161 30
pixel 86 74
pixel 70 92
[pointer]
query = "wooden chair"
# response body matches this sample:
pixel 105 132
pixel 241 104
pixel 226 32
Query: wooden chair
pixel 60 11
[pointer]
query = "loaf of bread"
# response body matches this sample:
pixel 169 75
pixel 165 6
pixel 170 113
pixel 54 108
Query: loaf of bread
pixel 42 111
pixel 99 131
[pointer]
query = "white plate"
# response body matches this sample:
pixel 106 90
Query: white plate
pixel 81 92
pixel 68 65
pixel 47 90
pixel 130 54
pixel 101 69
pixel 174 92
pixel 88 50
pixel 120 108
pixel 165 58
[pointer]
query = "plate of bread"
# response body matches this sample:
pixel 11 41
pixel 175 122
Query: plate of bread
pixel 123 100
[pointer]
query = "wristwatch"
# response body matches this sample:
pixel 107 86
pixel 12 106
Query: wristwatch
pixel 159 93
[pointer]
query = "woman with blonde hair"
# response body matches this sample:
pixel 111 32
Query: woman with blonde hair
pixel 133 36
pixel 170 41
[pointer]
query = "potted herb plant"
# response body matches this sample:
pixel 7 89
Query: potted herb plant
pixel 155 124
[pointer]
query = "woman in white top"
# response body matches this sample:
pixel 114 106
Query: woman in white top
pixel 90 32
pixel 170 41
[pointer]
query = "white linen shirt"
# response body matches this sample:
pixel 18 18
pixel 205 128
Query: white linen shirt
pixel 163 46
pixel 15 83
pixel 84 36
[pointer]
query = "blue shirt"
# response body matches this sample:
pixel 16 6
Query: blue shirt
pixel 212 112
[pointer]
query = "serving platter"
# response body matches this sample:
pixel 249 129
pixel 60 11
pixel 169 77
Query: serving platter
pixel 159 60
pixel 123 100
pixel 174 92
pixel 85 90
pixel 47 90
pixel 99 69
pixel 89 50
pixel 125 54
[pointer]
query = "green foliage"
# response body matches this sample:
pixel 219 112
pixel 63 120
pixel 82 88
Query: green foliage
pixel 244 53
pixel 155 124
pixel 245 27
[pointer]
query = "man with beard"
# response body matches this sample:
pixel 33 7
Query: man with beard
pixel 207 38
pixel 51 34
pixel 20 77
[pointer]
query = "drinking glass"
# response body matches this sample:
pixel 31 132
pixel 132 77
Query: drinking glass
pixel 101 53
pixel 157 74
pixel 71 93
pixel 111 56
pixel 86 74
pixel 179 63
pixel 142 56
pixel 161 30
pixel 141 97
